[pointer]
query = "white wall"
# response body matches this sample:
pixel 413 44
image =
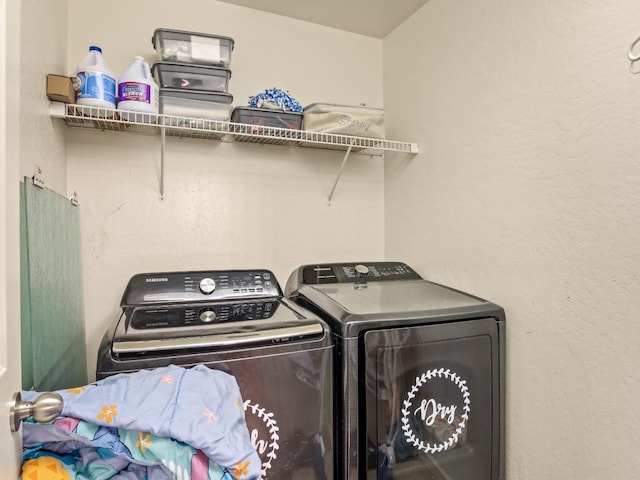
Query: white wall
pixel 43 50
pixel 27 137
pixel 526 193
pixel 226 205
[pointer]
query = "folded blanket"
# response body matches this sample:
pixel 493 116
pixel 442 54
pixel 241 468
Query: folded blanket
pixel 90 452
pixel 198 406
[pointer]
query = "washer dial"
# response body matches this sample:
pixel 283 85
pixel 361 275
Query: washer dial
pixel 207 316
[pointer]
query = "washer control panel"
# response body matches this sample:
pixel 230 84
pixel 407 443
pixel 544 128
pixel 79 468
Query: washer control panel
pixel 144 318
pixel 209 286
pixel 357 272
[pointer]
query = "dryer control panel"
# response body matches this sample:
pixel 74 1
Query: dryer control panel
pixel 357 272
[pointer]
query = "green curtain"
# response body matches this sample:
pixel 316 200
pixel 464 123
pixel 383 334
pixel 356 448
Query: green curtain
pixel 52 304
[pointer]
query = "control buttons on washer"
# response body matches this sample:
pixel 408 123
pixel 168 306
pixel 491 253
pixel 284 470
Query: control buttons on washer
pixel 207 285
pixel 361 270
pixel 207 316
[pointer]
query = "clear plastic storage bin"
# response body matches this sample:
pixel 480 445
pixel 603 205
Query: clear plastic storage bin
pixel 267 118
pixel 192 104
pixel 192 47
pixel 191 77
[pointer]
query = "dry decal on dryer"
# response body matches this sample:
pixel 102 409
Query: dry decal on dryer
pixel 425 411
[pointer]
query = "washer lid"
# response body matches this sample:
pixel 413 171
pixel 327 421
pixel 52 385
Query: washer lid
pixel 213 326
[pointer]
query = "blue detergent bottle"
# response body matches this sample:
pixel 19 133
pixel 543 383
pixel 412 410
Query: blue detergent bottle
pixel 95 84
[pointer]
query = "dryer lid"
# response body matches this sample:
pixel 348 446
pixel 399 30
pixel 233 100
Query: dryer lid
pixel 357 306
pixel 371 298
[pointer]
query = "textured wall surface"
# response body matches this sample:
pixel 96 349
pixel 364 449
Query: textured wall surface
pixel 226 205
pixel 42 51
pixel 526 193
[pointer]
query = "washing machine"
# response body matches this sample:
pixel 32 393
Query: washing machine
pixel 237 321
pixel 419 371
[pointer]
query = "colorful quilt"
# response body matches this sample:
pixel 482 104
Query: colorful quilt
pixel 161 424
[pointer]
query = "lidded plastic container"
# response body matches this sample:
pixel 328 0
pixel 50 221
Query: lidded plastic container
pixel 267 117
pixel 196 104
pixel 137 90
pixel 192 47
pixel 95 84
pixel 190 76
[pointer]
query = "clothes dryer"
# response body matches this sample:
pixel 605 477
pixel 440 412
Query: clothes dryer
pixel 237 321
pixel 419 372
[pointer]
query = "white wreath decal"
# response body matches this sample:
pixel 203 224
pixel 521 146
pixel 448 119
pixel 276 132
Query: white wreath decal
pixel 453 439
pixel 269 421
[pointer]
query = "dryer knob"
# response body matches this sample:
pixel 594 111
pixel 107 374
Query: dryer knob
pixel 361 270
pixel 207 285
pixel 207 316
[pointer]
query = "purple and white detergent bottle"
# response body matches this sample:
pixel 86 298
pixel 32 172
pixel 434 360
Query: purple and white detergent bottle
pixel 137 90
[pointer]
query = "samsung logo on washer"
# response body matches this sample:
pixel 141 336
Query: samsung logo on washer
pixel 156 279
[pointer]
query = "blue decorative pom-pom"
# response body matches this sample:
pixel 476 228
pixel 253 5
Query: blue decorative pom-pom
pixel 276 99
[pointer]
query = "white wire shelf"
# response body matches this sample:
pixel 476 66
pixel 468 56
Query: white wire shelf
pixel 134 122
pixel 82 116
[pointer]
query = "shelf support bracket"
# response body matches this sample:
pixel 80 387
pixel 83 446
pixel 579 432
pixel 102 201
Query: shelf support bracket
pixel 335 184
pixel 163 137
pixel 57 109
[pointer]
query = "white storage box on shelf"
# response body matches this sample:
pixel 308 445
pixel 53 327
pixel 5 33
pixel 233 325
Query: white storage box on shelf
pixel 190 76
pixel 192 47
pixel 359 121
pixel 196 104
